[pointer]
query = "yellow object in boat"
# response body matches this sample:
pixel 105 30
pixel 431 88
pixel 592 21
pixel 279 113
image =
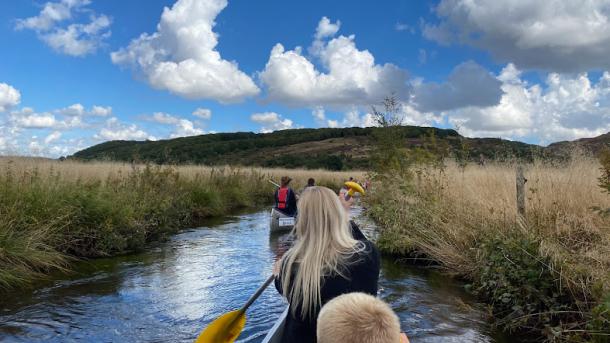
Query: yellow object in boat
pixel 354 187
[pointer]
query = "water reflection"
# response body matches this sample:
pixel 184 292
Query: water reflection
pixel 172 291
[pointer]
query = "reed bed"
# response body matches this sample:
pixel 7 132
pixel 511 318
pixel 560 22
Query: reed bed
pixel 547 272
pixel 52 212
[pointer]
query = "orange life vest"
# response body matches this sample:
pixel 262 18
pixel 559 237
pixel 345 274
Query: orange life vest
pixel 282 198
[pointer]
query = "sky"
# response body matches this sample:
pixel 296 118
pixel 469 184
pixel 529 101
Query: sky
pixel 75 73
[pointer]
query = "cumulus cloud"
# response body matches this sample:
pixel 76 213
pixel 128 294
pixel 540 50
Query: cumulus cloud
pixel 76 39
pixel 115 130
pixel 203 113
pixel 468 85
pixel 181 56
pixel 552 35
pixel 100 111
pixel 51 13
pixel 351 76
pixel 28 118
pixel 271 121
pixel 186 128
pixel 79 39
pixel 78 110
pixel 183 127
pixel 9 97
pixel 566 107
pixel 72 110
pixel 164 118
pixel 326 28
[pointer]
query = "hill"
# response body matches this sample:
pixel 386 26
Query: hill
pixel 329 148
pixel 590 145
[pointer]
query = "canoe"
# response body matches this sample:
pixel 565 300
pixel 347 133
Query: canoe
pixel 275 333
pixel 280 221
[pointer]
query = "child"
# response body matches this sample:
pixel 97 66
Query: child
pixel 358 318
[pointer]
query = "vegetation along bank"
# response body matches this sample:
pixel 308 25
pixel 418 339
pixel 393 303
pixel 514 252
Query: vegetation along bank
pixel 546 273
pixel 53 212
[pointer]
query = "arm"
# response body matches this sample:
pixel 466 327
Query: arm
pixel 292 199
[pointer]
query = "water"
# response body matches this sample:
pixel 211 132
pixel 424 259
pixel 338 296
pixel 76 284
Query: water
pixel 170 292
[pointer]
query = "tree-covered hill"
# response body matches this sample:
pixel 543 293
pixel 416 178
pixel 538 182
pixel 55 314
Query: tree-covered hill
pixel 330 148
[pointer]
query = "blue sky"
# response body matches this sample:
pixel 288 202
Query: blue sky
pixel 74 73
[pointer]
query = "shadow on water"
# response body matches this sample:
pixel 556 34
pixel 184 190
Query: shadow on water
pixel 171 291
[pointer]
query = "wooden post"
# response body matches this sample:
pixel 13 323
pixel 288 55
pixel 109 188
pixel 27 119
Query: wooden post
pixel 521 180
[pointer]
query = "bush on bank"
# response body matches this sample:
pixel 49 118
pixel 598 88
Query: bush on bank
pixel 547 275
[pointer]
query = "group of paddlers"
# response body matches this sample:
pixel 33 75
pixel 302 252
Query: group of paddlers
pixel 330 274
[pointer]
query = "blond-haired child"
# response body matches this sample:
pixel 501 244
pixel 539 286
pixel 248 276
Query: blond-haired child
pixel 358 318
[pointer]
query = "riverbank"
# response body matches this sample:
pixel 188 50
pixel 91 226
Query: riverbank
pixel 52 212
pixel 548 274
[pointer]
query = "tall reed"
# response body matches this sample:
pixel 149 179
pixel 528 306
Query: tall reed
pixel 52 212
pixel 548 272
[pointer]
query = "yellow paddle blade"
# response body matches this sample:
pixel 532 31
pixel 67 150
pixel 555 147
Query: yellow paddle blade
pixel 225 329
pixel 354 187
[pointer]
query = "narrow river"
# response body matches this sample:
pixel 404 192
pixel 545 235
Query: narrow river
pixel 170 292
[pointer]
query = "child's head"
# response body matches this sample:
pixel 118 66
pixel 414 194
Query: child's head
pixel 355 318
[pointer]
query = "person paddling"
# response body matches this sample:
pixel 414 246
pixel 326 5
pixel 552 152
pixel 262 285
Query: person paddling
pixel 285 199
pixel 330 257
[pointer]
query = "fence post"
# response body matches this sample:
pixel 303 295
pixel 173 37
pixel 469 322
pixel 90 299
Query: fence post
pixel 521 180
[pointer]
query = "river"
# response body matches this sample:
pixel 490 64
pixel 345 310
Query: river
pixel 171 291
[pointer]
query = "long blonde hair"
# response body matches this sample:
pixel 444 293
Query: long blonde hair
pixel 323 244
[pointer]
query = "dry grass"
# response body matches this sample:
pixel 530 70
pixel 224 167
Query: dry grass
pixel 93 171
pixel 51 211
pixel 451 216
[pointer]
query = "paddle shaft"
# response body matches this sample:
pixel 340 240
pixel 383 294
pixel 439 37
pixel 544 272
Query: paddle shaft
pixel 275 184
pixel 260 291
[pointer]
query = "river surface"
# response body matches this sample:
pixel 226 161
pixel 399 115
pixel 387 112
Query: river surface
pixel 171 291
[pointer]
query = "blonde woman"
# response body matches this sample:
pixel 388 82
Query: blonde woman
pixel 330 257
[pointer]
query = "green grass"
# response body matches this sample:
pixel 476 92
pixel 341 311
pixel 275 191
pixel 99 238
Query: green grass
pixel 48 220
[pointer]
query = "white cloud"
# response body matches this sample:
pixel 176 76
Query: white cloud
pixel 79 39
pixel 271 121
pixel 78 110
pixel 352 77
pixel 9 97
pixel 72 110
pixel 265 117
pixel 553 35
pixel 101 111
pixel 181 57
pixel 203 113
pixel 567 107
pixel 319 116
pixel 353 118
pixel 116 130
pixel 52 137
pixel 164 118
pixel 186 128
pixel 76 39
pixel 51 13
pixel 469 84
pixel 27 118
pixel 326 28
pixel 183 127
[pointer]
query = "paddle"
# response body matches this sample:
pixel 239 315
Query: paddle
pixel 226 328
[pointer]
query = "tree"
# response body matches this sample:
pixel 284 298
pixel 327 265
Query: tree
pixel 390 155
